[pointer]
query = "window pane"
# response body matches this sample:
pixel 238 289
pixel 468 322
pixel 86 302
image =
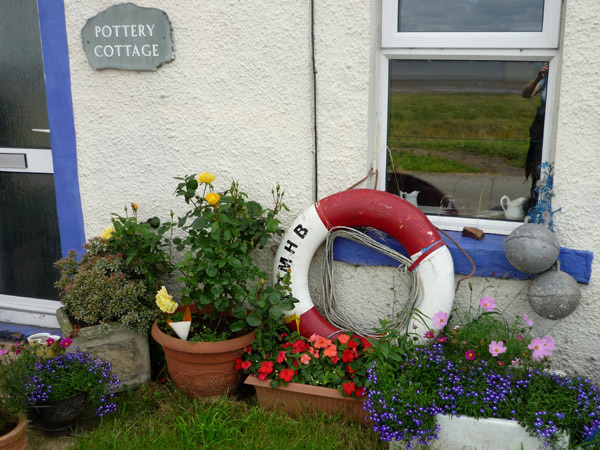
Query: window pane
pixel 31 229
pixel 22 90
pixel 460 133
pixel 470 15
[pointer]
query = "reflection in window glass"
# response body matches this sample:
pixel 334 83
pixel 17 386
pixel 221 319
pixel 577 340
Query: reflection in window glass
pixel 470 15
pixel 460 133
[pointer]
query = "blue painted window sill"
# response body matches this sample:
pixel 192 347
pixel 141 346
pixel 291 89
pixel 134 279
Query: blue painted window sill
pixel 488 255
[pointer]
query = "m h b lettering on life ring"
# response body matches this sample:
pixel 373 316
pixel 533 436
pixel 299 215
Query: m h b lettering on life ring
pixel 365 208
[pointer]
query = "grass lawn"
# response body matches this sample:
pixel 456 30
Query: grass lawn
pixel 159 417
pixel 494 125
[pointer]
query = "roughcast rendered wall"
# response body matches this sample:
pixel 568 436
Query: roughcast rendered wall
pixel 237 101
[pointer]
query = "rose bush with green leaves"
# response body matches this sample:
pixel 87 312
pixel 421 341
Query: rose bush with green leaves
pixel 221 232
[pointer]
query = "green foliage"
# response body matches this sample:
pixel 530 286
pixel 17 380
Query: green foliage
pixel 221 232
pixel 12 386
pixel 430 163
pixel 140 244
pixel 492 125
pixel 117 278
pixel 161 418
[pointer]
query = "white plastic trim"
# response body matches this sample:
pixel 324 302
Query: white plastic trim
pixel 38 160
pixel 548 38
pixel 29 311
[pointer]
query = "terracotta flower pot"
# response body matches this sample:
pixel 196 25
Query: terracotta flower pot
pixel 203 369
pixel 296 399
pixel 15 439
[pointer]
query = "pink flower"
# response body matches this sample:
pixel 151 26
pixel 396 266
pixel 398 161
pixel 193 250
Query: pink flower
pixel 527 320
pixel 496 348
pixel 470 355
pixel 442 339
pixel 3 351
pixel 440 319
pixel 548 345
pixel 538 345
pixel 541 347
pixel 305 359
pixel 50 341
pixel 65 342
pixel 487 303
pixel 516 362
pixel 429 335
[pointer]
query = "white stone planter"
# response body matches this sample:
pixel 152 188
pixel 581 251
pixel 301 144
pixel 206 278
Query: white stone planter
pixel 126 350
pixel 468 433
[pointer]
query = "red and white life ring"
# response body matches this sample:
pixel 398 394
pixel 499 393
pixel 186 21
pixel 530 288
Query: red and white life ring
pixel 365 208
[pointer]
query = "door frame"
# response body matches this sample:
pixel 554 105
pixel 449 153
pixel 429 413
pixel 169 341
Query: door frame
pixel 55 55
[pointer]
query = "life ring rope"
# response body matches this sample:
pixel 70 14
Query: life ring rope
pixel 365 208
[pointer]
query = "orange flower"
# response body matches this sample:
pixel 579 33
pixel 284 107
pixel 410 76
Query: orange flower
pixel 187 315
pixel 330 351
pixel 343 338
pixel 319 341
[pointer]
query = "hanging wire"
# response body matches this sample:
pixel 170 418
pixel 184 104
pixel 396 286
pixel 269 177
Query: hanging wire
pixel 328 304
pixel 314 86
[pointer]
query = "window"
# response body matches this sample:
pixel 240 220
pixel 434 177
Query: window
pixel 457 127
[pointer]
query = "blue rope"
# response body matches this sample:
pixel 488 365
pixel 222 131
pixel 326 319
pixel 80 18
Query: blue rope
pixel 542 212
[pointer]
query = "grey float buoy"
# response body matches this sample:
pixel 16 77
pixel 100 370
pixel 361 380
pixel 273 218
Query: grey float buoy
pixel 532 248
pixel 554 295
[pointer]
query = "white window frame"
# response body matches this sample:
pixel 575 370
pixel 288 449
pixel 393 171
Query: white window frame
pixel 484 51
pixel 547 38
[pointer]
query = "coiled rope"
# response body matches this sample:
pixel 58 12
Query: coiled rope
pixel 328 305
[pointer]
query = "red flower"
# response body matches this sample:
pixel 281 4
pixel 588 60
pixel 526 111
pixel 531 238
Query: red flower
pixel 300 346
pixel 246 365
pixel 335 359
pixel 365 342
pixel 348 388
pixel 265 368
pixel 238 364
pixel 247 350
pixel 281 357
pixel 286 375
pixel 360 391
pixel 295 362
pixel 349 355
pixel 352 343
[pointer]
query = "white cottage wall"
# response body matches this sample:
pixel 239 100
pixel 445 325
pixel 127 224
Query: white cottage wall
pixel 237 101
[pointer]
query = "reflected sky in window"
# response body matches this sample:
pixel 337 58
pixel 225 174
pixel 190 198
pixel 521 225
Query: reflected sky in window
pixel 470 15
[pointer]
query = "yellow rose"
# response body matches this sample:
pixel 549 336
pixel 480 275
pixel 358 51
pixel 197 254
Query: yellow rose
pixel 212 198
pixel 205 177
pixel 107 232
pixel 165 301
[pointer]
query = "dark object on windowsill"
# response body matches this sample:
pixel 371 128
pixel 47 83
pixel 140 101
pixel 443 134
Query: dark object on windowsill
pixel 473 232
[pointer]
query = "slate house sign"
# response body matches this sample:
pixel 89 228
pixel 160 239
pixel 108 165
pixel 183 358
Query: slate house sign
pixel 128 37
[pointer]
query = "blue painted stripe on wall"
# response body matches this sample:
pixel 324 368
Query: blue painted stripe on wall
pixel 60 116
pixel 488 255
